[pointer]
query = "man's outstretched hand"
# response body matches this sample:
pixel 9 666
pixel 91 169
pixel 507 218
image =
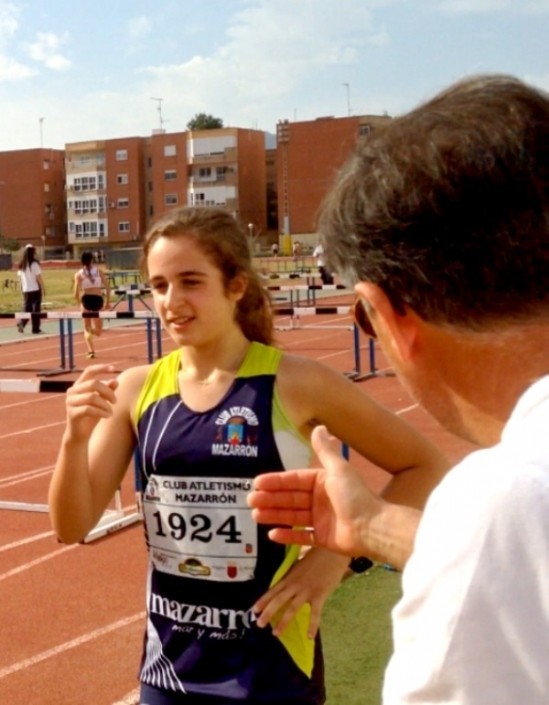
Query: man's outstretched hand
pixel 328 506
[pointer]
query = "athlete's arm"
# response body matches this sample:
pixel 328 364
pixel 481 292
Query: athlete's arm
pixel 315 394
pixel 76 288
pixel 95 451
pixel 309 581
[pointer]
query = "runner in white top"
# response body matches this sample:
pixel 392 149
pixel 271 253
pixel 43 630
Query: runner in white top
pixel 89 284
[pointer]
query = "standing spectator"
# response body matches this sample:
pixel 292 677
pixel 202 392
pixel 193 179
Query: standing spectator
pixel 274 249
pixel 90 283
pixel 33 288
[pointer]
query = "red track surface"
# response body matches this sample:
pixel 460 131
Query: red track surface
pixel 72 616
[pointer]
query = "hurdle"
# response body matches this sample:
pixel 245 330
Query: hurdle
pixel 66 332
pixel 113 519
pixel 295 312
pixel 129 293
pixel 309 288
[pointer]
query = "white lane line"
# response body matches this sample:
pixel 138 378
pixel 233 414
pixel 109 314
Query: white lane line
pixel 129 699
pixel 407 409
pixel 26 478
pixel 42 559
pixel 32 430
pixel 24 542
pixel 130 509
pixel 67 645
pixel 34 400
pixel 28 474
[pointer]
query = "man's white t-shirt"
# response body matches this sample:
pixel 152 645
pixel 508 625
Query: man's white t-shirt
pixel 472 626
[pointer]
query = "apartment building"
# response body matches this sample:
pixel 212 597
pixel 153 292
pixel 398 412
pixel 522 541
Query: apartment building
pixel 105 193
pixel 227 167
pixel 309 154
pixel 166 173
pixel 32 197
pixel 116 188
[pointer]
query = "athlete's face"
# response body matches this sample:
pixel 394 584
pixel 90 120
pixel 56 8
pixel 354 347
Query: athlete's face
pixel 188 292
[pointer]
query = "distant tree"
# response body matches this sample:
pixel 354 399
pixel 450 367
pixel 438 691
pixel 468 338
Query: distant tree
pixel 8 245
pixel 203 121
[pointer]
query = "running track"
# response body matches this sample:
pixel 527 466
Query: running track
pixel 72 616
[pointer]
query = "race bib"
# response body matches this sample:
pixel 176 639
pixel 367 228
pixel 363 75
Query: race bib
pixel 201 527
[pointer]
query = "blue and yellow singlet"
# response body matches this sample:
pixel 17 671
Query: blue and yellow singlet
pixel 208 560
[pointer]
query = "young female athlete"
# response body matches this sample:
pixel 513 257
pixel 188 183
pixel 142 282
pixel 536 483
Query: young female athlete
pixel 89 284
pixel 231 616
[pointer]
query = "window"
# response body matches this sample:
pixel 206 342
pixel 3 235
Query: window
pixel 122 203
pixel 170 199
pixel 364 130
pixel 199 199
pixel 170 150
pixel 87 183
pixel 88 229
pixel 81 207
pixel 170 175
pixel 121 155
pixel 204 172
pixel 124 227
pixel 46 187
pixel 46 164
pixel 121 178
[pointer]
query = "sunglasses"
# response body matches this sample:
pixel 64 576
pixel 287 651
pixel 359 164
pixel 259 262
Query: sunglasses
pixel 362 320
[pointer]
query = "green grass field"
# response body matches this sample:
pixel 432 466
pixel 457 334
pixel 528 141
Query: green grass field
pixel 356 635
pixel 59 282
pixel 58 290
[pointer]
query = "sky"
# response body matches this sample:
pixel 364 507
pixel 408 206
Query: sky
pixel 72 71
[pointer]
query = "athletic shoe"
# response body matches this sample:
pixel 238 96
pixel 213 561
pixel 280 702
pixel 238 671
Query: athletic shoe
pixel 20 327
pixel 36 332
pixel 90 355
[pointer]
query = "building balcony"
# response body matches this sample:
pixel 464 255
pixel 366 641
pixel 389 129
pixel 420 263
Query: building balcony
pixel 227 156
pixel 227 179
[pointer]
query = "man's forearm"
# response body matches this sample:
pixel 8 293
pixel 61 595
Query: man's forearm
pixel 389 536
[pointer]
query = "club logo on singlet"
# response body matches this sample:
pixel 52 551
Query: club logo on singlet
pixel 237 432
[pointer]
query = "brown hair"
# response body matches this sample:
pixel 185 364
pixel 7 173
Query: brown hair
pixel 28 257
pixel 223 239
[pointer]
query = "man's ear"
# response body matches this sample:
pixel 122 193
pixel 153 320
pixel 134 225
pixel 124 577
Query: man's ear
pixel 399 331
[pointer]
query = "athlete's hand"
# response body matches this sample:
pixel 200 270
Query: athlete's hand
pixel 89 400
pixel 309 581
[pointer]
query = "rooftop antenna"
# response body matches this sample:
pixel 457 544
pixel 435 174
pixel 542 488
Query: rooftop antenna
pixel 41 123
pixel 348 91
pixel 159 108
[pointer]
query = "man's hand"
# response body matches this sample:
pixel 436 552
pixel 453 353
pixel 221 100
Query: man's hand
pixel 332 505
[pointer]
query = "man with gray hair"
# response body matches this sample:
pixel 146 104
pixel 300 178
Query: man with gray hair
pixel 440 222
